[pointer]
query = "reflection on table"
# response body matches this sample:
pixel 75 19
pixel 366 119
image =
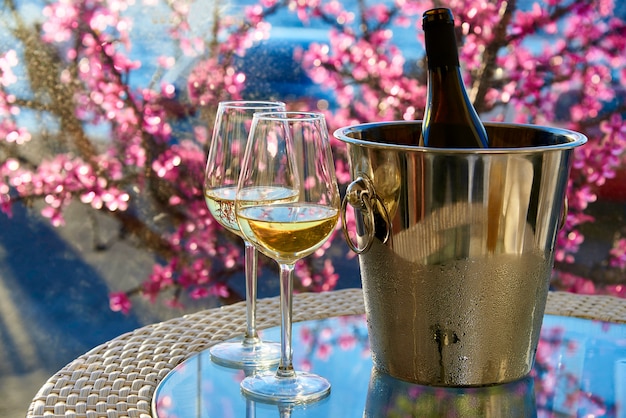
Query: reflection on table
pixel 580 370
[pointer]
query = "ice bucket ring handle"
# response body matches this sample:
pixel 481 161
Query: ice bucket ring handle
pixel 361 195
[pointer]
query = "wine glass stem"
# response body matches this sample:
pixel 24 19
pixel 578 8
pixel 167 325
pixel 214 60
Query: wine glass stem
pixel 285 367
pixel 285 411
pixel 250 408
pixel 251 263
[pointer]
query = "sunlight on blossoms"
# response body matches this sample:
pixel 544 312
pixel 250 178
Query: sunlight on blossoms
pixel 121 100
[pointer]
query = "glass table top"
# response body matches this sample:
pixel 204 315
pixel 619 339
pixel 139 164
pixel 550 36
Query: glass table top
pixel 580 371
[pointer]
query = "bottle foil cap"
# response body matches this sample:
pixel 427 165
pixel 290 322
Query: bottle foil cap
pixel 440 37
pixel 437 16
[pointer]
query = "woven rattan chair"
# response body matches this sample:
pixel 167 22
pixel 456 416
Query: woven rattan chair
pixel 118 378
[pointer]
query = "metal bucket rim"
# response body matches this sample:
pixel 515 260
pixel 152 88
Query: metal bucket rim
pixel 575 139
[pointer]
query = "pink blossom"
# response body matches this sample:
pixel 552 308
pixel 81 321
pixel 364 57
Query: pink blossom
pixel 324 351
pixel 347 341
pixel 8 61
pixel 119 302
pixel 618 254
pixel 145 169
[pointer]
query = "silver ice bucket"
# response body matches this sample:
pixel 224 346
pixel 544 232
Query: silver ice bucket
pixel 456 247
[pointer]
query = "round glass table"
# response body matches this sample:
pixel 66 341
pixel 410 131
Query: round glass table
pixel 580 370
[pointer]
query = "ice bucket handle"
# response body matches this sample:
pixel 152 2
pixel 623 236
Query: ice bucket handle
pixel 361 195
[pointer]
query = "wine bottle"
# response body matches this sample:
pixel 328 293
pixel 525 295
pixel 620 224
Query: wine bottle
pixel 450 120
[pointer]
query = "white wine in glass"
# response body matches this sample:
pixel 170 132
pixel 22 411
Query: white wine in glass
pixel 290 151
pixel 228 143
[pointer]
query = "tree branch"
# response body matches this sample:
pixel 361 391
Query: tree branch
pixel 484 77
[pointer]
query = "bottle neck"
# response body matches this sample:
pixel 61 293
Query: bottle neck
pixel 441 44
pixel 446 94
pixel 450 121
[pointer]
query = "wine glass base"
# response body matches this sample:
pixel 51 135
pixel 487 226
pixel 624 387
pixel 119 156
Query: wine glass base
pixel 268 388
pixel 235 354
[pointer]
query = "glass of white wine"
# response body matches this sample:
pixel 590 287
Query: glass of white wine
pixel 228 144
pixel 289 162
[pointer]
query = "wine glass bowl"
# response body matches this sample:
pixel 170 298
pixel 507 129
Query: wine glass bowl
pixel 228 144
pixel 288 153
pixel 288 232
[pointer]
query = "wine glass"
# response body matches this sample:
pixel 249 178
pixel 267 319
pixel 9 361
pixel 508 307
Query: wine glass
pixel 287 206
pixel 230 134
